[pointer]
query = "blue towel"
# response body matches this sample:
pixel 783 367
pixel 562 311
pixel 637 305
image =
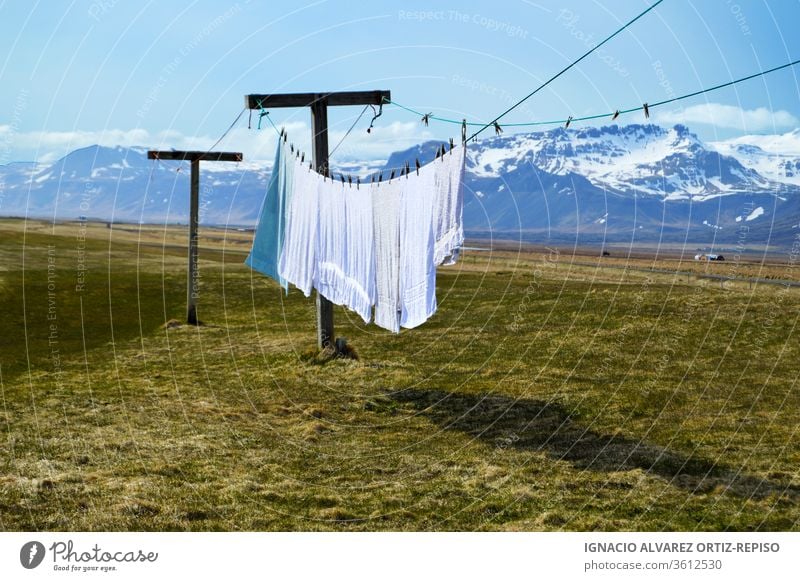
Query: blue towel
pixel 268 240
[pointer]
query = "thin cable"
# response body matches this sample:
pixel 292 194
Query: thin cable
pixel 228 130
pixel 611 113
pixel 728 84
pixel 271 122
pixel 562 71
pixel 430 116
pixel 330 155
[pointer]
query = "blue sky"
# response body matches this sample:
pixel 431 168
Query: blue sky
pixel 174 74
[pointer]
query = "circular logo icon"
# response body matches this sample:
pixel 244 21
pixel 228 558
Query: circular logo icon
pixel 31 554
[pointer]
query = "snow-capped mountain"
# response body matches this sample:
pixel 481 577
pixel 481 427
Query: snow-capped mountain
pixel 636 159
pixel 633 182
pixel 122 184
pixel 776 157
pixel 117 183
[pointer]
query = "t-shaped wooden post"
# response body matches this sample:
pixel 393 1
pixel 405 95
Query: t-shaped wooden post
pixel 195 157
pixel 319 103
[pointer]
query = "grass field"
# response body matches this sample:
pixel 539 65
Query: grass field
pixel 549 392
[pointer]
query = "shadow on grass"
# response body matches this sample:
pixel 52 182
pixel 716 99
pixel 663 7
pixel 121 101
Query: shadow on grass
pixel 537 426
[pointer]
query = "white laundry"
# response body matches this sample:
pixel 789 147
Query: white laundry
pixel 449 205
pixel 386 198
pixel 345 247
pixel 359 263
pixel 375 245
pixel 417 279
pixel 431 232
pixel 298 261
pixel 331 242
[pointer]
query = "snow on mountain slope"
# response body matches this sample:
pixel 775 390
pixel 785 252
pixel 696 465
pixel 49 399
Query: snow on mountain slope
pixel 776 157
pixel 122 184
pixel 633 159
pixel 618 181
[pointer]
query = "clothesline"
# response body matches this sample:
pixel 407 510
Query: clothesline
pixel 496 120
pixel 426 117
pixel 375 177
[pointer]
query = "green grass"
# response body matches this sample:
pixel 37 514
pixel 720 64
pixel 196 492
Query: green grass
pixel 541 396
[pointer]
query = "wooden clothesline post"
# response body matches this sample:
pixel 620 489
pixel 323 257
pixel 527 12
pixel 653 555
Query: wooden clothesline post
pixel 319 103
pixel 192 284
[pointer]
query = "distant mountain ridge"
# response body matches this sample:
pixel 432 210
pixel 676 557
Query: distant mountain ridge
pixel 592 185
pixel 630 183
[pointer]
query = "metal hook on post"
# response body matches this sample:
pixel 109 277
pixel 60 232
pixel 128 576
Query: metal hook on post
pixel 261 115
pixel 375 116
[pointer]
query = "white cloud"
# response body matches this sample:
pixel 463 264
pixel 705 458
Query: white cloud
pixel 47 146
pixel 257 145
pixel 729 117
pixel 787 144
pixel 380 143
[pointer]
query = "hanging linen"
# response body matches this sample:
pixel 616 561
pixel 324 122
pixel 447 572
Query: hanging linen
pixel 345 251
pixel 431 233
pixel 417 276
pixel 359 258
pixel 331 241
pixel 376 245
pixel 298 259
pixel 386 201
pixel 449 205
pixel 269 235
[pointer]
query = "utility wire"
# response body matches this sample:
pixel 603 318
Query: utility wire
pixel 364 110
pixel 610 114
pixel 562 71
pixel 210 149
pixel 271 122
pixel 228 130
pixel 728 84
